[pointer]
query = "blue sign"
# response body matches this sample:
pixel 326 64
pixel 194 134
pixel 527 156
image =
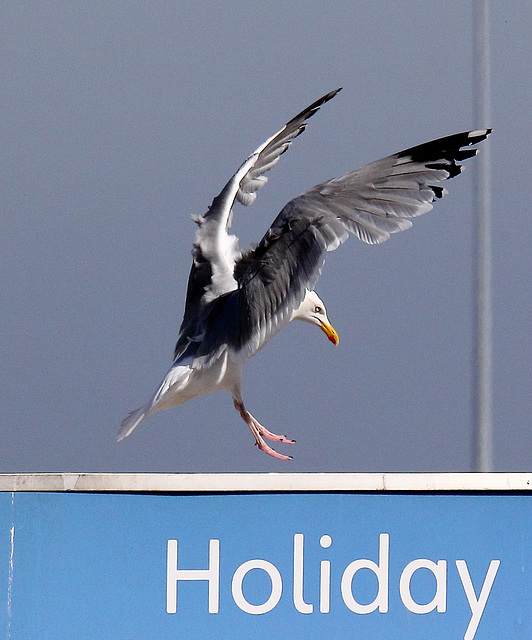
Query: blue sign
pixel 285 566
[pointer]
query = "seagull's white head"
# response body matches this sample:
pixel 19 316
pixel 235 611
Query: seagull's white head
pixel 313 310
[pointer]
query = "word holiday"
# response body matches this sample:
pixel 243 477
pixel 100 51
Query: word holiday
pixel 380 569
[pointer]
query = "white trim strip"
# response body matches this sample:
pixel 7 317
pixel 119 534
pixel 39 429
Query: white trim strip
pixel 260 482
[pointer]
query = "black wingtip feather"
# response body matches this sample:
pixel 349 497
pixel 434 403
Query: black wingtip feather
pixel 311 110
pixel 447 147
pixel 438 191
pixel 445 153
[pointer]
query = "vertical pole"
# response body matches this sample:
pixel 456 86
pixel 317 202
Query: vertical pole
pixel 483 448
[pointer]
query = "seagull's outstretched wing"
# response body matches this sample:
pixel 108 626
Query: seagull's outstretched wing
pixel 373 202
pixel 381 197
pixel 215 252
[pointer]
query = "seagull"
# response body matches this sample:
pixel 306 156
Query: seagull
pixel 237 300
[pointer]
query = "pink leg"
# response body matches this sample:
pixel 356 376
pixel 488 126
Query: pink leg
pixel 261 432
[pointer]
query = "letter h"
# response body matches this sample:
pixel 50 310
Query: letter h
pixel 212 575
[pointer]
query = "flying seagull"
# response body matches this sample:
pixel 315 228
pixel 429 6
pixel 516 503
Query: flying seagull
pixel 237 300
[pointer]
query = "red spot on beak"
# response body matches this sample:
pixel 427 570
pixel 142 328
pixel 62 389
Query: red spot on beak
pixel 330 332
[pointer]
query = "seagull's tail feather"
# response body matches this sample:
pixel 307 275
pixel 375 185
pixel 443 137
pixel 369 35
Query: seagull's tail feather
pixel 173 391
pixel 133 420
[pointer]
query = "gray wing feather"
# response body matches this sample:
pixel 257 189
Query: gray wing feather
pixel 380 198
pixel 372 203
pixel 286 263
pixel 269 152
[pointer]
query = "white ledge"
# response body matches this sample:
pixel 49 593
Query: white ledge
pixel 263 482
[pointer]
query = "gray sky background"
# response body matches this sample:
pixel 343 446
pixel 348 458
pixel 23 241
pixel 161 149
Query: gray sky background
pixel 120 119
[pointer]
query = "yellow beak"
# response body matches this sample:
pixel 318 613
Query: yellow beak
pixel 330 332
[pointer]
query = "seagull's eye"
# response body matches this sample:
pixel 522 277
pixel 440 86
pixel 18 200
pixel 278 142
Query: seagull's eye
pixel 318 309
